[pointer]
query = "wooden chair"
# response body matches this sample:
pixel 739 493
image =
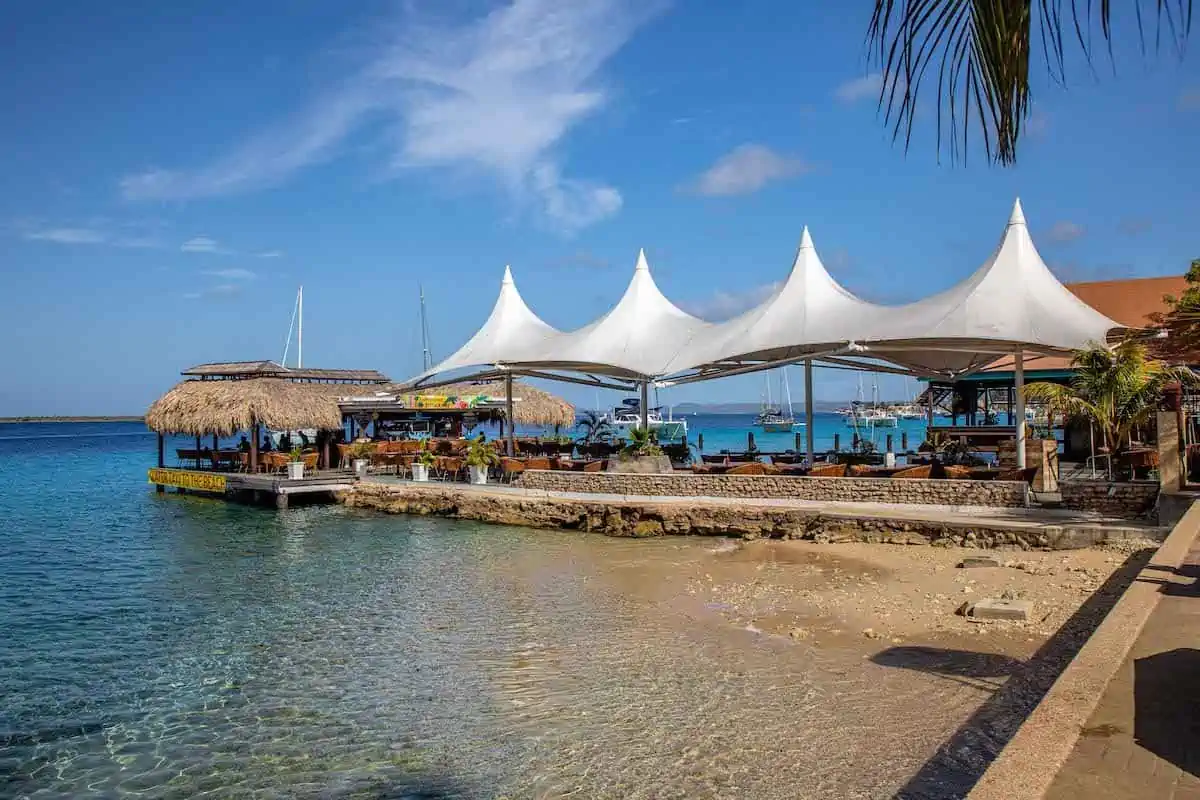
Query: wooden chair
pixel 310 460
pixel 599 465
pixel 510 468
pixel 540 462
pixel 828 471
pixel 752 468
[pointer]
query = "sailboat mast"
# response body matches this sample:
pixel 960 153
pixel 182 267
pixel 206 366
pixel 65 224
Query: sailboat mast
pixel 787 388
pixel 299 328
pixel 426 355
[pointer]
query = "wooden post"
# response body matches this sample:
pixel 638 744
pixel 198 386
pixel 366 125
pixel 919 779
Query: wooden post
pixel 197 452
pixel 510 438
pixel 854 441
pixel 325 451
pixel 254 448
pixel 837 443
pixel 904 441
pixel 750 442
pixel 216 446
pixel 281 501
pixel 700 442
pixel 889 443
pixel 796 441
pixel 160 488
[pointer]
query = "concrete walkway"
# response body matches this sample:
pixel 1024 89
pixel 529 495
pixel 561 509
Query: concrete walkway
pixel 1143 739
pixel 1032 519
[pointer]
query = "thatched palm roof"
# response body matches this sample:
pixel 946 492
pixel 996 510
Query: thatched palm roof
pixel 202 407
pixel 199 407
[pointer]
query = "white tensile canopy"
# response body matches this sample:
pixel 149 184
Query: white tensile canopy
pixel 810 314
pixel 1011 304
pixel 636 340
pixel 511 330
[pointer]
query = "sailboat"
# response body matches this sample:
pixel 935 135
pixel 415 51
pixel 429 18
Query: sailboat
pixel 770 417
pixel 872 415
pixel 297 324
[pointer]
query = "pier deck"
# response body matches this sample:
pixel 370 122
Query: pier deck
pixel 254 487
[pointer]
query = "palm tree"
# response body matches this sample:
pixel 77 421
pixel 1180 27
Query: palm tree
pixel 595 427
pixel 983 50
pixel 1118 390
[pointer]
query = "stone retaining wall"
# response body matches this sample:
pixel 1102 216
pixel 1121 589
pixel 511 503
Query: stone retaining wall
pixel 1130 500
pixel 646 518
pixel 1003 494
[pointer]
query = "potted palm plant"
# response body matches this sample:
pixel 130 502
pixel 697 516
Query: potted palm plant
pixel 295 467
pixel 360 457
pixel 480 456
pixel 422 463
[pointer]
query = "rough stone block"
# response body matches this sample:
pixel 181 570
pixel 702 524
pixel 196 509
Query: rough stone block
pixel 971 562
pixel 1001 609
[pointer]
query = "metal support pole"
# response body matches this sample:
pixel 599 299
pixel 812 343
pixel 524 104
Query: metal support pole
pixel 1019 390
pixel 808 413
pixel 197 452
pixel 509 427
pixel 644 405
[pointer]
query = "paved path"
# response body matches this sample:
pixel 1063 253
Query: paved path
pixel 1143 739
pixel 1023 518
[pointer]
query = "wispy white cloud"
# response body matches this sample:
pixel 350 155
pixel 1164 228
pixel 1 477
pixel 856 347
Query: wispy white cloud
pixel 723 305
pixel 202 244
pixel 1135 226
pixel 867 86
pixel 270 254
pixel 745 170
pixel 68 236
pixel 89 236
pixel 219 290
pixel 1065 231
pixel 495 94
pixel 233 274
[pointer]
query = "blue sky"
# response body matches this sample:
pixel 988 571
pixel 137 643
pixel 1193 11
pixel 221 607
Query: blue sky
pixel 173 170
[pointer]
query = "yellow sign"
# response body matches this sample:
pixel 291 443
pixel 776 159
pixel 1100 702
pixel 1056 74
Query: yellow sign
pixel 186 479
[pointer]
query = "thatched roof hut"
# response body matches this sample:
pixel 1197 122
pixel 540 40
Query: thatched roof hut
pixel 199 407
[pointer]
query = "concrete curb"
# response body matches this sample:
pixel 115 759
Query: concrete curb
pixel 1027 766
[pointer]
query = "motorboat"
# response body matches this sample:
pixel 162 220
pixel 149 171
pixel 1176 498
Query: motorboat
pixel 628 415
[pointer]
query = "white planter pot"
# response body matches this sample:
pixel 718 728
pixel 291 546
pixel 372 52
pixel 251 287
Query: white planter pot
pixel 295 470
pixel 478 474
pixel 360 466
pixel 420 472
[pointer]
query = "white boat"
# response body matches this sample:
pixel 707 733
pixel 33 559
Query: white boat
pixel 773 419
pixel 627 416
pixel 873 415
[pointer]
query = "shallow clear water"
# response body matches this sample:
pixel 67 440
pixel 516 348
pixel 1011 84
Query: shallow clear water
pixel 176 646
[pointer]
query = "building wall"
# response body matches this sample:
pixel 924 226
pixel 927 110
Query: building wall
pixel 1007 494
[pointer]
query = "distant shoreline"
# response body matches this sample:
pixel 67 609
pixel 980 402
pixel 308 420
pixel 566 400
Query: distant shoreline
pixel 12 420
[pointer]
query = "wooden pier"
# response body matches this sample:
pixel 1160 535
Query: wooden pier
pixel 250 487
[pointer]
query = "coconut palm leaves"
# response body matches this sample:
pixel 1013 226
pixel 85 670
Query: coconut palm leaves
pixel 595 427
pixel 981 51
pixel 1117 390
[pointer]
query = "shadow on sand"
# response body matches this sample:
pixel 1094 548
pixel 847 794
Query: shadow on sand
pixel 954 769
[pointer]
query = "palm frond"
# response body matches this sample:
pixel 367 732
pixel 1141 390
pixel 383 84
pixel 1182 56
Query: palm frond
pixel 981 53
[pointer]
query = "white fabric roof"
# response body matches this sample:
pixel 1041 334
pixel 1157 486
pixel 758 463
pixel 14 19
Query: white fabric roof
pixel 636 339
pixel 809 312
pixel 1013 302
pixel 511 331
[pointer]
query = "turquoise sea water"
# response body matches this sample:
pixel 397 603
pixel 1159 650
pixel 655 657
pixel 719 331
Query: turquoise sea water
pixel 166 646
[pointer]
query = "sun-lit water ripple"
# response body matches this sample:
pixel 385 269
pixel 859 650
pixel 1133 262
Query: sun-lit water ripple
pixel 171 646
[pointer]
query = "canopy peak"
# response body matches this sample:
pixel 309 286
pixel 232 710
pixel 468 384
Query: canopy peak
pixel 1018 216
